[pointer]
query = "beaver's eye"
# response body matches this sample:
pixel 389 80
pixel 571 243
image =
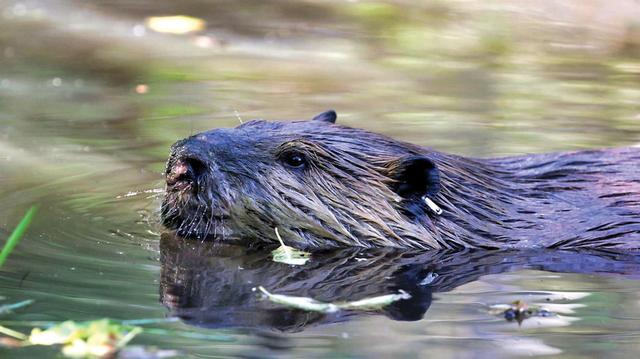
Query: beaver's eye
pixel 294 159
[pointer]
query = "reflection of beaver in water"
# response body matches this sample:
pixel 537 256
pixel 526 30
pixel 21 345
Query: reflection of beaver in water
pixel 210 285
pixel 325 185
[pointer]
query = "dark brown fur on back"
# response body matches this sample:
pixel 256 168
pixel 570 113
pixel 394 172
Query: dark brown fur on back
pixel 357 188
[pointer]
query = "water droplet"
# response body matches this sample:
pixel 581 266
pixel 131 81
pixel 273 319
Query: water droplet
pixel 56 82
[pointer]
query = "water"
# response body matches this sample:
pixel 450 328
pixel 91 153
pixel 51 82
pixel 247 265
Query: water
pixel 90 100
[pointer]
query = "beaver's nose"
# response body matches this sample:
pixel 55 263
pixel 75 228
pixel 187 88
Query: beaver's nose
pixel 184 171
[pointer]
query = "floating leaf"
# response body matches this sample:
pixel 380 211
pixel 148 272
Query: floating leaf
pixel 178 25
pixel 99 338
pixel 289 255
pixel 62 333
pixel 79 348
pixel 312 305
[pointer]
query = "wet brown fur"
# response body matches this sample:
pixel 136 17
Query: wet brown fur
pixel 345 195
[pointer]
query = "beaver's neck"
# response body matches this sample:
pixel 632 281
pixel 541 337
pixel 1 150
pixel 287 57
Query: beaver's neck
pixel 550 200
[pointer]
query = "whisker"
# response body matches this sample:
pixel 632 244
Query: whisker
pixel 238 116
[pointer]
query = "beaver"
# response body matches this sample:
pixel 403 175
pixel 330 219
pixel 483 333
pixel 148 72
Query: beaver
pixel 324 185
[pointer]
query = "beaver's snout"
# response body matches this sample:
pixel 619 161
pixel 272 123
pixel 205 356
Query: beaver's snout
pixel 184 172
pixel 197 201
pixel 185 167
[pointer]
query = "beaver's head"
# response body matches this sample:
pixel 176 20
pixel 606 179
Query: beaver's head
pixel 321 184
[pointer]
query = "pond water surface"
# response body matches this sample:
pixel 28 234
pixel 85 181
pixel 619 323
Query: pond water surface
pixel 91 98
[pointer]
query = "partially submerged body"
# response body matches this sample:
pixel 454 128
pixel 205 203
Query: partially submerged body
pixel 325 185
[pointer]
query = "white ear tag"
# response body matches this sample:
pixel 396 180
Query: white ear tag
pixel 432 205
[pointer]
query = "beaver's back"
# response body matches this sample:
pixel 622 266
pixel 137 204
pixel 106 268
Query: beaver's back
pixel 578 199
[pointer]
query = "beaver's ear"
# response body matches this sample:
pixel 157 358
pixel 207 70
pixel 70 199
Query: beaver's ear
pixel 414 177
pixel 327 116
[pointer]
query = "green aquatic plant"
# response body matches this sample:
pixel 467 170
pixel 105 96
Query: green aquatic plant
pixel 12 334
pixel 94 339
pixel 17 234
pixel 98 338
pixel 7 308
pixel 102 338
